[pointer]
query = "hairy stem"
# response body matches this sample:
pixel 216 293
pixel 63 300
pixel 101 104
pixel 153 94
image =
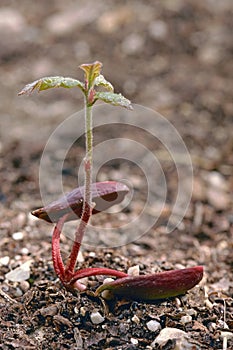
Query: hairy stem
pixel 94 271
pixel 87 207
pixel 56 252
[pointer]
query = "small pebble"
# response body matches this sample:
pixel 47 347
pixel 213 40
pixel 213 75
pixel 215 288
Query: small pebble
pixel 134 341
pixel 76 310
pixel 107 294
pixel 18 292
pixel 18 236
pixel 216 180
pixel 4 260
pixel 133 270
pixel 108 280
pixel 135 319
pixel 192 312
pixel 167 334
pixel 21 273
pixel 186 319
pixel 24 251
pixel 96 317
pixel 18 257
pixel 92 254
pixel 153 325
pixel 80 257
pixel 83 311
pixel 24 286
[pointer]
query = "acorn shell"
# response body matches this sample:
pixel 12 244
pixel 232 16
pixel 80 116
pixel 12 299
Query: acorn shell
pixel 157 286
pixel 104 195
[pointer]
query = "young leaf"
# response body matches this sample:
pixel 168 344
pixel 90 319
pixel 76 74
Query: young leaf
pixel 92 71
pixel 101 81
pixel 104 195
pixel 114 99
pixel 157 286
pixel 51 82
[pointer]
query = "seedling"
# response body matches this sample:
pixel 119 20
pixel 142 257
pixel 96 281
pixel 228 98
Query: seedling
pixel 93 198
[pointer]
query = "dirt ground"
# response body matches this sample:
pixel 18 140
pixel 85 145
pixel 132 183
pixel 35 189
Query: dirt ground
pixel 174 56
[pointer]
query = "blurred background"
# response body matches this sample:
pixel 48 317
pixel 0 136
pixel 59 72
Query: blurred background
pixel 173 56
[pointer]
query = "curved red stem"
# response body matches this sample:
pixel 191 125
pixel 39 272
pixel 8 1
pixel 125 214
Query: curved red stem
pixel 56 252
pixel 93 271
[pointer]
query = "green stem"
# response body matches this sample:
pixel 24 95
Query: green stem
pixel 87 207
pixel 88 158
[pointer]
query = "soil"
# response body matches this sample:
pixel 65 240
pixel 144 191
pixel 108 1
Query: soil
pixel 171 56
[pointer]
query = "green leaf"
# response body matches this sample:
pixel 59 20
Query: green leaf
pixel 101 81
pixel 114 99
pixel 51 82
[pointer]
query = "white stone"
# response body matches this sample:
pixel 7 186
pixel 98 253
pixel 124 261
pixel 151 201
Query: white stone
pixel 24 251
pixel 153 325
pixel 96 317
pixel 186 319
pixel 4 260
pixel 92 254
pixel 216 180
pixel 18 236
pixel 192 312
pixel 134 341
pixel 133 270
pixel 168 333
pixel 80 257
pixel 108 280
pixel 21 273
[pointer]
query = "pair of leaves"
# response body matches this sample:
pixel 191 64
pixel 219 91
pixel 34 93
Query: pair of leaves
pixel 92 78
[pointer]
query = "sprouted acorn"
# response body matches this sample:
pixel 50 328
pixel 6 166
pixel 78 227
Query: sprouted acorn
pixel 92 198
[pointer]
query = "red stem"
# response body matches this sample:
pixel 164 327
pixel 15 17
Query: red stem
pixel 87 207
pixel 56 252
pixel 70 265
pixel 93 271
